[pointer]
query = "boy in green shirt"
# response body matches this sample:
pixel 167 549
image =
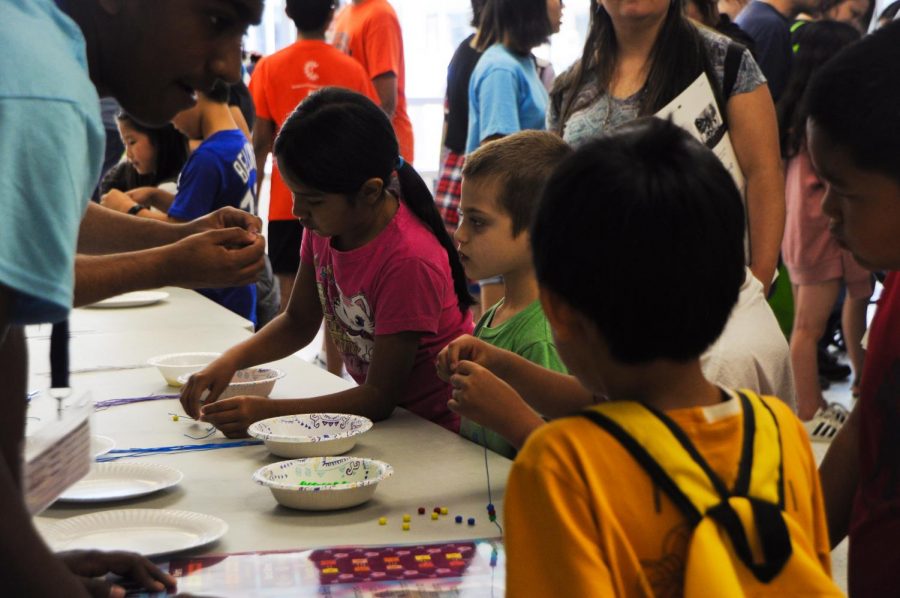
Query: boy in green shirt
pixel 501 187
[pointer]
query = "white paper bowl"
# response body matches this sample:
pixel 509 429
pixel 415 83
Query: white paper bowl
pixel 311 434
pixel 175 365
pixel 255 382
pixel 323 483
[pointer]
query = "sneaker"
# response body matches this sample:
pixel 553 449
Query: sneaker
pixel 824 425
pixel 837 412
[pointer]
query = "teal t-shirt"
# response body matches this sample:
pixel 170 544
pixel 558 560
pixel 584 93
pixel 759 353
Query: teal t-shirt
pixel 51 150
pixel 526 334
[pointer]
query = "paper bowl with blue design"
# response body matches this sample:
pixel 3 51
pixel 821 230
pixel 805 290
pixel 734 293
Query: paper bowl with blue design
pixel 323 483
pixel 310 434
pixel 254 382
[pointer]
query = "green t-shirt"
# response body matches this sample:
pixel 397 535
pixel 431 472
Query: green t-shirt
pixel 526 334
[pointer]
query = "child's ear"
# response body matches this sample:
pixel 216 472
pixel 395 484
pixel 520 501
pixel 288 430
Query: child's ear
pixel 371 190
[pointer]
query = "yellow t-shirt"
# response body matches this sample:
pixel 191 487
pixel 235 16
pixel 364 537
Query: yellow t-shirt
pixel 582 517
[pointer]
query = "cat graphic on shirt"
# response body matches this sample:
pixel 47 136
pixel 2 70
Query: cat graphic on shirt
pixel 358 322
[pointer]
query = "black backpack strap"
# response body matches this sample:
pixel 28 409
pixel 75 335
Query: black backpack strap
pixel 733 55
pixel 745 465
pixel 768 518
pixel 648 463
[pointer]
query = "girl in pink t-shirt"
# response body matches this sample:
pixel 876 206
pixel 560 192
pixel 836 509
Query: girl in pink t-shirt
pixel 378 267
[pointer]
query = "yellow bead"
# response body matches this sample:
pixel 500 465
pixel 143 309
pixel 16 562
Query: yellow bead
pixel 406 518
pixel 174 418
pixel 382 521
pixel 444 510
pixel 406 527
pixel 434 516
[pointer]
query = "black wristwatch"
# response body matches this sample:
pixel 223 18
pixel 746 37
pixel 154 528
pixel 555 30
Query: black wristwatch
pixel 133 210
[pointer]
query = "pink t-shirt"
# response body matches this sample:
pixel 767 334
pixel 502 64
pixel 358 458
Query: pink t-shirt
pixel 398 282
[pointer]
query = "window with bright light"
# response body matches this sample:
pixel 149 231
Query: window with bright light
pixel 432 29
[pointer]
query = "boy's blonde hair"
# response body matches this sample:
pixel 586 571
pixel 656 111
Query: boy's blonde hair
pixel 522 163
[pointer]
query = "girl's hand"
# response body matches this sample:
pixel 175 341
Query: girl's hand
pixel 116 200
pixel 482 397
pixel 142 195
pixel 233 416
pixel 467 348
pixel 213 378
pixel 89 565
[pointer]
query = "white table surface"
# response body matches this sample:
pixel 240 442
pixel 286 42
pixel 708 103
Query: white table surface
pixel 183 309
pixel 432 467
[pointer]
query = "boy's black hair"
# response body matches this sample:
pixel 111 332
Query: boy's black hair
pixel 521 163
pixel 219 93
pixel 337 139
pixel 642 231
pixel 525 24
pixel 310 15
pixel 855 99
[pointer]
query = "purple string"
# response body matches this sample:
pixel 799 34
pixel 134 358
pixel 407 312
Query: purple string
pixel 101 405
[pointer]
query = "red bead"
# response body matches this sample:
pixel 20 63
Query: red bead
pixel 421 510
pixel 437 510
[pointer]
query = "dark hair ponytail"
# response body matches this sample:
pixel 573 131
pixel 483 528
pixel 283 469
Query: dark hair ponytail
pixel 337 139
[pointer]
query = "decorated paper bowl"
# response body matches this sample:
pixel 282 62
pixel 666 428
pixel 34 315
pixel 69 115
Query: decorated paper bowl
pixel 255 382
pixel 323 483
pixel 311 434
pixel 175 365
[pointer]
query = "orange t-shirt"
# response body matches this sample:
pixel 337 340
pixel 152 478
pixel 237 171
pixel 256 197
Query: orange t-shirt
pixel 582 518
pixel 370 33
pixel 284 79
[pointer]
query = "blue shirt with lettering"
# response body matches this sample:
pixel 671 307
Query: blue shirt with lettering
pixel 221 172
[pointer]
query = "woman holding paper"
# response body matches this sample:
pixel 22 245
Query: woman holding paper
pixel 642 54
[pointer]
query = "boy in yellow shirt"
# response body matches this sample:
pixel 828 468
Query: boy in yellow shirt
pixel 638 252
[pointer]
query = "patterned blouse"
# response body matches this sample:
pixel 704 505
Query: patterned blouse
pixel 599 112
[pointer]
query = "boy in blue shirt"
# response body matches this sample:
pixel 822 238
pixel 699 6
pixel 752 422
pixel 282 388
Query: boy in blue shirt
pixel 220 172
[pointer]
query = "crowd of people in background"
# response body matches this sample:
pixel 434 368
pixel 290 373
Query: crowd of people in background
pixel 614 264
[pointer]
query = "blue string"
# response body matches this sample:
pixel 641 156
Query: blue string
pixel 101 405
pixel 116 454
pixel 487 472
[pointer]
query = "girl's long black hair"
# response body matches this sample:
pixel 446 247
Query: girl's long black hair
pixel 337 139
pixel 814 44
pixel 171 154
pixel 676 60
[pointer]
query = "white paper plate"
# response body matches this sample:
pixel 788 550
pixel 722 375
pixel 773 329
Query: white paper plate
pixel 136 299
pixel 118 481
pixel 100 445
pixel 150 532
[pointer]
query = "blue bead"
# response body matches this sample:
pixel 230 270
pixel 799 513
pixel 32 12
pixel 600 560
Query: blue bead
pixel 459 518
pixel 471 521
